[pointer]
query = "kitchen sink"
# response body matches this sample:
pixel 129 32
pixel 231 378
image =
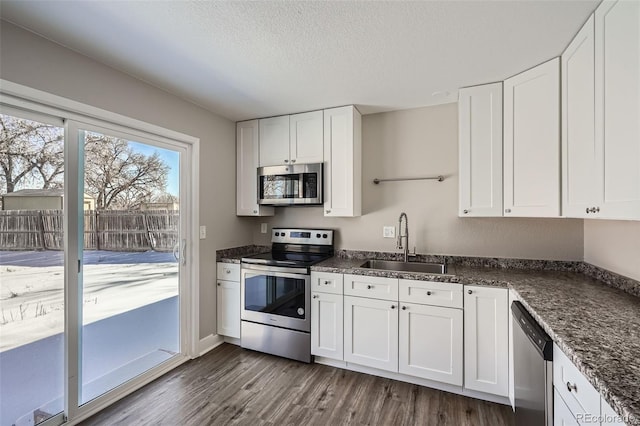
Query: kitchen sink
pixel 389 265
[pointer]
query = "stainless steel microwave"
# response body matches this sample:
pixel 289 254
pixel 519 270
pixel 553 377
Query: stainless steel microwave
pixel 290 185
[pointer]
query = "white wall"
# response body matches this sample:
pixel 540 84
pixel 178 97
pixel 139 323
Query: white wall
pixel 419 142
pixel 613 245
pixel 28 59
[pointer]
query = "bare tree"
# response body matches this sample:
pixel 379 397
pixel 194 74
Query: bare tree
pixel 119 177
pixel 31 154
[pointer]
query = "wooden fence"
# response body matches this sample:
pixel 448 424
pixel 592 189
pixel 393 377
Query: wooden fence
pixel 114 230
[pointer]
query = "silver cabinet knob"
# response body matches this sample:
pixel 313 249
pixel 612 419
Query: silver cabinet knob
pixel 227 271
pixel 218 284
pixel 327 282
pixel 465 211
pixel 369 287
pixel 255 211
pixel 393 306
pixel 469 291
pixel 507 210
pixel 328 211
pixel 571 387
pixel 315 296
pixel 286 161
pixel 596 209
pixel 404 308
pixel 293 161
pixel 428 293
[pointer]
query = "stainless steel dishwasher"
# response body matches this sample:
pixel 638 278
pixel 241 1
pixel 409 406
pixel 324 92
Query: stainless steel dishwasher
pixel 533 370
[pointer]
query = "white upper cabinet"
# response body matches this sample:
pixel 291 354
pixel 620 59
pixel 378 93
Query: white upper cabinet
pixel 578 136
pixel 480 150
pixel 274 141
pixel 247 171
pixel 617 108
pixel 343 162
pixel 306 138
pixel 532 142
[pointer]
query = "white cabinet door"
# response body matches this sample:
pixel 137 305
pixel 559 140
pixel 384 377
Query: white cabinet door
pixel 274 141
pixel 371 332
pixel 532 142
pixel 343 162
pixel 617 76
pixel 578 136
pixel 228 305
pixel 486 339
pixel 609 416
pixel 480 150
pixel 327 312
pixel 306 138
pixel 430 343
pixel 247 171
pixel 562 416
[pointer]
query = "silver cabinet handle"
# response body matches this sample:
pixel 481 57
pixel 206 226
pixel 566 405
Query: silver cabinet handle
pixel 571 387
pixel 507 210
pixel 404 308
pixel 588 210
pixel 465 211
pixel 469 291
pixel 369 287
pixel 286 161
pixel 327 282
pixel 596 209
pixel 315 296
pixel 293 161
pixel 393 306
pixel 428 293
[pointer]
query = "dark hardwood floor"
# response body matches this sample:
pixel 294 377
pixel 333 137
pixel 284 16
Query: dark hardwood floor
pixel 230 385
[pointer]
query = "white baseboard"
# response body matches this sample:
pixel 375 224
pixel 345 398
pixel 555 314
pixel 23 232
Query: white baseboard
pixel 232 340
pixel 459 390
pixel 209 342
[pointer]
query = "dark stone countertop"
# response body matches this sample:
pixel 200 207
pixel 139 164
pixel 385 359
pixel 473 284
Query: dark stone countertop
pixel 596 326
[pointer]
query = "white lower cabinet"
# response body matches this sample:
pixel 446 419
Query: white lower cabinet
pixel 371 332
pixel 608 415
pixel 327 325
pixel 430 343
pixel 486 339
pixel 228 304
pixel 561 414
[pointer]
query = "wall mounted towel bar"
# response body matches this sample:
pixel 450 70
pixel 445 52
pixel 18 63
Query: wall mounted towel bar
pixel 438 178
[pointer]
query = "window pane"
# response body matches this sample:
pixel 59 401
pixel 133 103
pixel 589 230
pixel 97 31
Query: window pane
pixel 31 271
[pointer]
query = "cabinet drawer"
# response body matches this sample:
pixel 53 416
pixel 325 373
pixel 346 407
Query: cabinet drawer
pixel 326 282
pixel 576 391
pixel 448 295
pixel 372 287
pixel 229 271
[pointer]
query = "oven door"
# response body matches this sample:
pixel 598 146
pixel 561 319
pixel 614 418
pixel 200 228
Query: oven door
pixel 277 298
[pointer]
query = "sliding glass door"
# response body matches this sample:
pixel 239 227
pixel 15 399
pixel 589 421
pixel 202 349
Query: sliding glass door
pixel 131 246
pixel 94 274
pixel 31 267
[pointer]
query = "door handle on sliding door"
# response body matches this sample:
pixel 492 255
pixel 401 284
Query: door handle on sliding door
pixel 183 257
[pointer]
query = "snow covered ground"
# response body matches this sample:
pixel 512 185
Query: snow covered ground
pixel 32 297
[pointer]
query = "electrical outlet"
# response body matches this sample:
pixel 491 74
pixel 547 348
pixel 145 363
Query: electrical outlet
pixel 203 232
pixel 388 231
pixel 263 228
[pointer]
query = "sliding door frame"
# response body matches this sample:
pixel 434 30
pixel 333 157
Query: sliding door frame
pixel 75 115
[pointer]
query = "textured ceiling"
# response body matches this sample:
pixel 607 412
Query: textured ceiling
pixel 254 59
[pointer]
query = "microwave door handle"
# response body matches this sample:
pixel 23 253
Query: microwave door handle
pixel 301 193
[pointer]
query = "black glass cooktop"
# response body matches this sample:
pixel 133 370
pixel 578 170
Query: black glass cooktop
pixel 286 259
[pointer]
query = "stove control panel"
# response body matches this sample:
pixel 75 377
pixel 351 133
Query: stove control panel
pixel 302 236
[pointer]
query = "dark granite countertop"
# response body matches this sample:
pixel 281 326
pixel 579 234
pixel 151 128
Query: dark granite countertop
pixel 596 325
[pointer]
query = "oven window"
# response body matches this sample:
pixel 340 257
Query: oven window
pixel 275 295
pixel 279 186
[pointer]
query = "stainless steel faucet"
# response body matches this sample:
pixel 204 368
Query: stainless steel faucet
pixel 405 235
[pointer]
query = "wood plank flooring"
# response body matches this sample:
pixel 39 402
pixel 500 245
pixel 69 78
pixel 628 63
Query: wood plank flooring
pixel 230 385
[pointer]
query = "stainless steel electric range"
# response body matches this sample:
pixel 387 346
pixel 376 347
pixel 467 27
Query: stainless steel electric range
pixel 276 292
